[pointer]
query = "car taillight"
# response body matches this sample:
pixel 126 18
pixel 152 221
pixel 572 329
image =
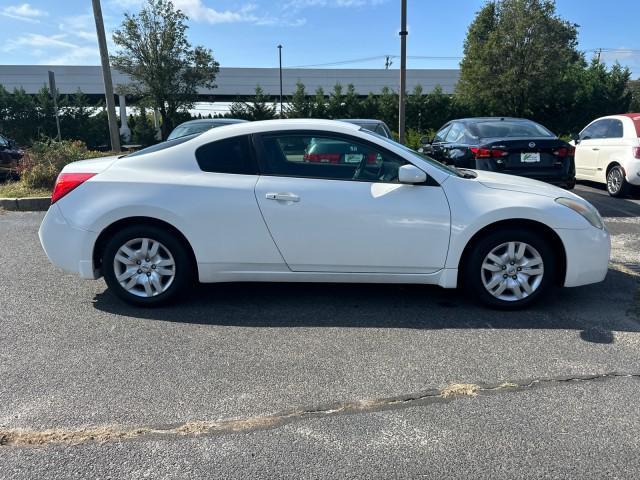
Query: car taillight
pixel 67 182
pixel 636 152
pixel 322 157
pixel 565 152
pixel 488 152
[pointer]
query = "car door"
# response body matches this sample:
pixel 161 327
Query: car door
pixel 345 211
pixel 453 150
pixel 612 148
pixel 588 149
pixel 436 150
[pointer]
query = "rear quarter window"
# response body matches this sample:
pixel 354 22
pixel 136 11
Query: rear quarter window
pixel 229 155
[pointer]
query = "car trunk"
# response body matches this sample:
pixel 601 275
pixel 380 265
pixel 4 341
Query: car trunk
pixel 528 153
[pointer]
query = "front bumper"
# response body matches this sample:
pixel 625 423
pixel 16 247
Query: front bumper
pixel 68 247
pixel 587 252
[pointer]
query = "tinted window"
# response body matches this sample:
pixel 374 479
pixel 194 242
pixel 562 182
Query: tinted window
pixel 3 142
pixel 615 130
pixel 597 129
pixel 439 136
pixel 508 129
pixel 455 134
pixel 182 130
pixel 162 145
pixel 330 157
pixel 231 155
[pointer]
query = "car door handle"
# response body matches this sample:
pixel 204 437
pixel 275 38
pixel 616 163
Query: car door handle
pixel 595 149
pixel 285 197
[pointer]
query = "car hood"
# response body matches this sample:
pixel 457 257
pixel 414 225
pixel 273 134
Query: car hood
pixel 513 183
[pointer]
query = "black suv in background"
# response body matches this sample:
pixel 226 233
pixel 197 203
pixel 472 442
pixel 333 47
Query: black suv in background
pixel 515 146
pixel 9 156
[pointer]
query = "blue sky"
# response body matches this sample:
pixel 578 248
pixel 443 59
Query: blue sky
pixel 246 33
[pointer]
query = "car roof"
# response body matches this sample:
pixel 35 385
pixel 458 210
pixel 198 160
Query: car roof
pixel 359 120
pixel 277 125
pixel 213 120
pixel 491 119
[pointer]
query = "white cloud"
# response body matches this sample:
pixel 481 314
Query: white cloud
pixel 300 4
pixel 81 26
pixel 24 12
pixel 54 49
pixel 198 11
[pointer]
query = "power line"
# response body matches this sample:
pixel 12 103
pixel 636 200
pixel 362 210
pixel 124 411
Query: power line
pixel 386 58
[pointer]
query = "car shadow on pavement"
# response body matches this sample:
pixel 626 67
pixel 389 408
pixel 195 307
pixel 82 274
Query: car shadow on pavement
pixel 609 206
pixel 596 311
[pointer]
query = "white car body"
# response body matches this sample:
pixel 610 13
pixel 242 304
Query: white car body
pixel 323 230
pixel 594 157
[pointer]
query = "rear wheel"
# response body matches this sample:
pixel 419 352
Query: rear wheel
pixel 510 268
pixel 146 265
pixel 617 185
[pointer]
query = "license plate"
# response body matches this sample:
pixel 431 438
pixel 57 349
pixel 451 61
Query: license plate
pixel 530 157
pixel 352 157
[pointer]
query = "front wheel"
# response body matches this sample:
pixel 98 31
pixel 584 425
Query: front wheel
pixel 617 184
pixel 510 269
pixel 146 265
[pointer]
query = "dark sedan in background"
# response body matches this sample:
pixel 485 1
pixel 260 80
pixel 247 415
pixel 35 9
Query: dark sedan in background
pixel 514 146
pixel 10 154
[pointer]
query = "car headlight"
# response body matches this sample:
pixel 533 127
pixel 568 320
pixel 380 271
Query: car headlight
pixel 587 210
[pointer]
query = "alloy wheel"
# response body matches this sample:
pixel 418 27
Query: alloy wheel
pixel 512 271
pixel 144 267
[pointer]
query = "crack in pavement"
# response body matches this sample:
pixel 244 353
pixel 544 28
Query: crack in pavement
pixel 102 434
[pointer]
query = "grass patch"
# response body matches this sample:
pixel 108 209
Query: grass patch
pixel 20 190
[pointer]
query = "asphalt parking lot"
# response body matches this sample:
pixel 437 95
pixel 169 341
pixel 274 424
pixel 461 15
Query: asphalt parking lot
pixel 307 381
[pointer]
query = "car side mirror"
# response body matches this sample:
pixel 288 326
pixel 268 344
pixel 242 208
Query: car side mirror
pixel 575 137
pixel 425 140
pixel 411 174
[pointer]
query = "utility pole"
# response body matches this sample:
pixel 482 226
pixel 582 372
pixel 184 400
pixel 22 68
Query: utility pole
pixel 280 58
pixel 599 53
pixel 54 95
pixel 403 69
pixel 106 74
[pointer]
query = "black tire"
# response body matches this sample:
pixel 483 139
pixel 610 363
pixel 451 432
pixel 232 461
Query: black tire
pixel 472 272
pixel 617 184
pixel 183 269
pixel 570 185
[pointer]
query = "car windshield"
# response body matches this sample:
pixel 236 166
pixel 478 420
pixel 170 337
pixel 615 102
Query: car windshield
pixel 508 129
pixel 429 160
pixel 190 129
pixel 162 145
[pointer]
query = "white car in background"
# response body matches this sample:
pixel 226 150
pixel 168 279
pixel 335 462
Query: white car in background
pixel 246 203
pixel 608 151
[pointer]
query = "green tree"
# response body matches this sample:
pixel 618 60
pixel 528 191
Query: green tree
pixel 335 106
pixel 517 54
pixel 142 129
pixel 388 107
pixel 166 70
pixel 352 103
pixel 319 104
pixel 634 88
pixel 258 109
pixel 299 103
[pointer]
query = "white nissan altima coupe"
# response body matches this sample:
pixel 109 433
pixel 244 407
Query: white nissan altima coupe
pixel 315 201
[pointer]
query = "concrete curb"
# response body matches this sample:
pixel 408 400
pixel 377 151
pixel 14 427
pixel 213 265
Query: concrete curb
pixel 32 204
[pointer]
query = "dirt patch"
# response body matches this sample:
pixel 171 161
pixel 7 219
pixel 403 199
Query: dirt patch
pixel 460 390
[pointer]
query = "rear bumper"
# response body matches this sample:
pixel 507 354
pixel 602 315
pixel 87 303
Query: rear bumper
pixel 587 252
pixel 68 247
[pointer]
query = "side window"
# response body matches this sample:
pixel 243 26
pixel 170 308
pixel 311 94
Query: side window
pixel 595 130
pixel 230 155
pixel 3 142
pixel 325 156
pixel 616 130
pixel 455 134
pixel 441 134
